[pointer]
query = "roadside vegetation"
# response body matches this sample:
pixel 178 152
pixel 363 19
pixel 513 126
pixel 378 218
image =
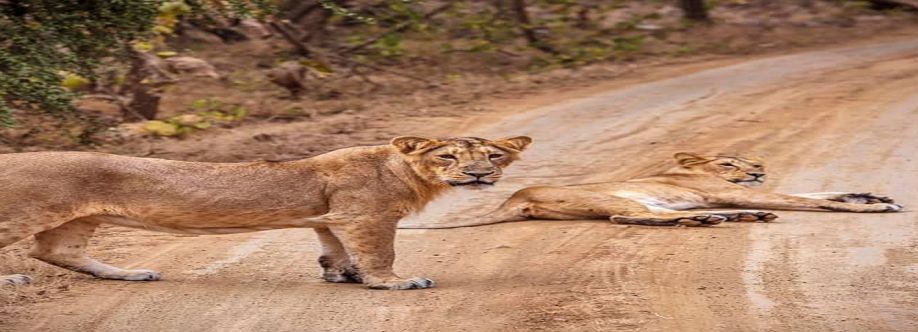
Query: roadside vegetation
pixel 80 74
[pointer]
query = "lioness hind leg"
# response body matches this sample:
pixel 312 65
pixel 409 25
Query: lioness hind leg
pixel 65 246
pixel 9 234
pixel 669 219
pixel 336 265
pixel 566 204
pixel 16 279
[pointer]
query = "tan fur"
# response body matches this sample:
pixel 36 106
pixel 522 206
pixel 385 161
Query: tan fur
pixel 352 197
pixel 697 182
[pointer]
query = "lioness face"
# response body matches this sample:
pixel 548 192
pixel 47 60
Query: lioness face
pixel 747 172
pixel 461 161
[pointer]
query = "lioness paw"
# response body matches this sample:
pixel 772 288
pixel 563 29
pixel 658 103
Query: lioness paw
pixel 890 207
pixel 701 220
pixel 751 216
pixel 16 279
pixel 135 275
pixel 413 283
pixel 346 276
pixel 863 198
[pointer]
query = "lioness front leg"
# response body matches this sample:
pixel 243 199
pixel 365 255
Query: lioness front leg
pixel 336 264
pixel 370 246
pixel 65 246
pixel 847 197
pixel 752 199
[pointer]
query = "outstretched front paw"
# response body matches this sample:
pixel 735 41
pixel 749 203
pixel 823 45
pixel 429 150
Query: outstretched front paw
pixel 887 207
pixel 413 283
pixel 863 198
pixel 750 216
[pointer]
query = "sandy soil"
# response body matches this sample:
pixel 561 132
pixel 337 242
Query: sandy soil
pixel 840 119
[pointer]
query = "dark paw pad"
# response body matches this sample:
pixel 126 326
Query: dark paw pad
pixel 336 278
pixel 352 274
pixel 864 198
pixel 701 220
pixel 420 283
pixel 758 216
pixel 413 283
pixel 891 207
pixel 346 275
pixel 16 279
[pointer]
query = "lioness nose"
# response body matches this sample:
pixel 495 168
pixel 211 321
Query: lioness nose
pixel 478 174
pixel 755 174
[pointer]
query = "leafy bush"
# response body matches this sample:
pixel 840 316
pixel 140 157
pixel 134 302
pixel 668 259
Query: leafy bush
pixel 42 42
pixel 210 112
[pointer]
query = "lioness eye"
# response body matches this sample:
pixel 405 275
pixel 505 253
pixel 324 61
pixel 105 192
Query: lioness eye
pixel 447 156
pixel 727 164
pixel 495 155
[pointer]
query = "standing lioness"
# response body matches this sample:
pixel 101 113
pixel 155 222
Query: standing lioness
pixel 352 197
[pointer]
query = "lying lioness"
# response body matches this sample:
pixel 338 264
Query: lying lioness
pixel 697 182
pixel 352 197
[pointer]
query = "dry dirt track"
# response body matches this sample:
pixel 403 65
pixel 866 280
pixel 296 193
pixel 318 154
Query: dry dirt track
pixel 840 119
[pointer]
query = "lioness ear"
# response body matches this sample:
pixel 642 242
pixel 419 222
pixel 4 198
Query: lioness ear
pixel 412 144
pixel 517 144
pixel 685 158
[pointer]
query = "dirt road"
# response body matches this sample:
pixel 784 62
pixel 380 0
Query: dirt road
pixel 838 119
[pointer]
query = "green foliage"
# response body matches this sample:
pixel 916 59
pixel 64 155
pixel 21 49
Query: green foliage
pixel 340 11
pixel 568 32
pixel 44 41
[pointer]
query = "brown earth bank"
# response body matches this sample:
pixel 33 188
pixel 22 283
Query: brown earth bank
pixel 839 119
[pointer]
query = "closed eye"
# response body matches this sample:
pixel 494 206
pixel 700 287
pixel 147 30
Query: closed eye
pixel 447 157
pixel 727 165
pixel 495 156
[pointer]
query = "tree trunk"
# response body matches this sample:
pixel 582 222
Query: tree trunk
pixel 501 9
pixel 694 10
pixel 912 4
pixel 143 76
pixel 143 103
pixel 312 19
pixel 522 17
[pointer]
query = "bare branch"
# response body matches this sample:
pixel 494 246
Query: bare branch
pixel 286 30
pixel 397 28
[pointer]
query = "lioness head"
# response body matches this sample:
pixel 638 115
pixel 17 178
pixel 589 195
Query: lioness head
pixel 460 161
pixel 743 171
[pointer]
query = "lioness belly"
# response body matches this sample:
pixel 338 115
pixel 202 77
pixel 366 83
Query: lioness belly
pixel 206 226
pixel 659 202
